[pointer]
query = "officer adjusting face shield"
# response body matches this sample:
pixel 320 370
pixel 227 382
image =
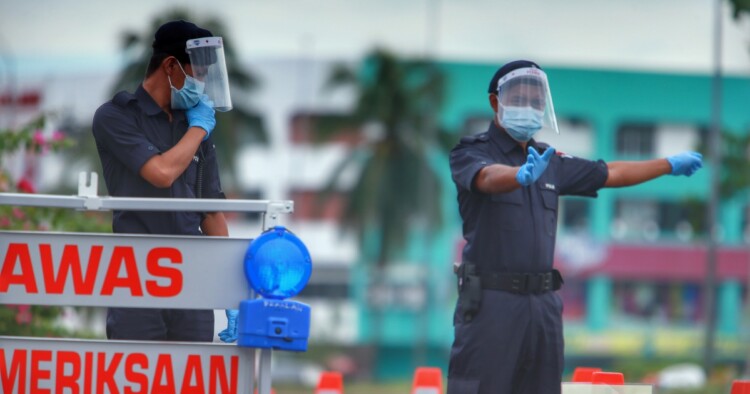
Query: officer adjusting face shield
pixel 525 103
pixel 209 66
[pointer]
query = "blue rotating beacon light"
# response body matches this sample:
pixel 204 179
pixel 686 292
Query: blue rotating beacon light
pixel 277 266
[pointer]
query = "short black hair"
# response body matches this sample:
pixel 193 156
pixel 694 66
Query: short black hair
pixel 170 39
pixel 505 69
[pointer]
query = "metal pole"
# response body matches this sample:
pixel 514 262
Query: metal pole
pixel 264 372
pixel 714 156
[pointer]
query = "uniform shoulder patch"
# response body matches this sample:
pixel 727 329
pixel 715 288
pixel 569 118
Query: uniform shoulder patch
pixel 563 155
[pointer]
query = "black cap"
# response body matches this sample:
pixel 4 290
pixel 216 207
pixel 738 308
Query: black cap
pixel 171 37
pixel 508 67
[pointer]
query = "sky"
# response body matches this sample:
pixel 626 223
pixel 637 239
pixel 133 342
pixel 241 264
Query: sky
pixel 43 37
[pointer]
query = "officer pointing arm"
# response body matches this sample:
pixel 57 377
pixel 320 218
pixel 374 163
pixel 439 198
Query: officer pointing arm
pixel 499 178
pixel 508 318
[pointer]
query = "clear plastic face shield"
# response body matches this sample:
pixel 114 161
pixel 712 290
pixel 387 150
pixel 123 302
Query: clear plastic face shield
pixel 525 103
pixel 209 66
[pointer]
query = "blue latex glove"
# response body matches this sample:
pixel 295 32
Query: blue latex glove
pixel 534 167
pixel 685 163
pixel 229 334
pixel 202 115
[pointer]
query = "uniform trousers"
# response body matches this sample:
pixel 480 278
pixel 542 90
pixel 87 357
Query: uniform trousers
pixel 513 345
pixel 191 325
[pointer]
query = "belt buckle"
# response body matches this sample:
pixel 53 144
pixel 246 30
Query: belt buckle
pixel 534 283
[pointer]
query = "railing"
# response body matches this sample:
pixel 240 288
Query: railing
pixel 125 270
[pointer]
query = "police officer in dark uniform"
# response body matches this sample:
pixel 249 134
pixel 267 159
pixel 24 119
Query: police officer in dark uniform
pixel 508 319
pixel 155 143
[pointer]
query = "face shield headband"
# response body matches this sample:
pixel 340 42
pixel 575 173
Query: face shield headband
pixel 525 103
pixel 208 61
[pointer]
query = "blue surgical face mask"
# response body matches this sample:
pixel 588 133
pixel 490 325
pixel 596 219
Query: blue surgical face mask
pixel 189 95
pixel 521 122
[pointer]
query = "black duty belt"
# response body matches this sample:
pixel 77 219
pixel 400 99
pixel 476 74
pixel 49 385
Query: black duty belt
pixel 522 283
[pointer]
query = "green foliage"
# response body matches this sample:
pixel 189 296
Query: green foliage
pixel 396 102
pixel 740 7
pixel 734 176
pixel 735 171
pixel 30 140
pixel 31 321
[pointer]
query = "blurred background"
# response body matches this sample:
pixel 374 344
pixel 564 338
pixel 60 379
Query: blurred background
pixel 350 108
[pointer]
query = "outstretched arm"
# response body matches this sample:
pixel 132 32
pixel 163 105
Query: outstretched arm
pixel 628 173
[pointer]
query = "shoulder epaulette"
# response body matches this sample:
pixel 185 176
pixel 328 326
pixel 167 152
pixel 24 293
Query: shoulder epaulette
pixel 473 139
pixel 122 98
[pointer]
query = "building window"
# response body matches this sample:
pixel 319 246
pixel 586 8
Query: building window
pixel 636 140
pixel 673 138
pixel 635 220
pixel 683 221
pixel 576 137
pixel 648 220
pixel 673 303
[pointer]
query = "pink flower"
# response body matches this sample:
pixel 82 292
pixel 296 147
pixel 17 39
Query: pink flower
pixel 18 213
pixel 24 314
pixel 38 138
pixel 58 135
pixel 4 222
pixel 39 144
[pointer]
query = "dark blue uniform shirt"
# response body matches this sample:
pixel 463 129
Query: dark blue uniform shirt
pixel 515 231
pixel 129 130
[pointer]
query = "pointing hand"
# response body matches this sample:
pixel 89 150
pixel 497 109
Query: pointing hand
pixel 685 163
pixel 534 167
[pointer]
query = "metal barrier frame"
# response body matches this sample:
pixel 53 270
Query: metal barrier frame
pixel 88 200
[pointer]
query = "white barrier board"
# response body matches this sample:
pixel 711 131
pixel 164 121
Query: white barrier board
pixel 43 365
pixel 122 270
pixel 587 388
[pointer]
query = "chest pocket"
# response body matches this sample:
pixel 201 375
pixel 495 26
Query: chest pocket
pixel 507 210
pixel 550 201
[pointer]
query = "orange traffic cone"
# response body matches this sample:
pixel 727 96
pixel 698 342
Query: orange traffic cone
pixel 427 380
pixel 610 378
pixel 584 374
pixel 330 383
pixel 740 387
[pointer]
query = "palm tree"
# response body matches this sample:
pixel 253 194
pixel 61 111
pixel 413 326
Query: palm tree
pixel 233 128
pixel 739 7
pixel 397 190
pixel 395 105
